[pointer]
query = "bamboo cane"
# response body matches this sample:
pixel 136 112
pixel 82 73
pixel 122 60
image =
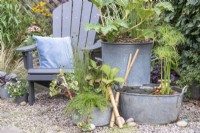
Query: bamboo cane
pixel 112 120
pixel 132 62
pixel 115 107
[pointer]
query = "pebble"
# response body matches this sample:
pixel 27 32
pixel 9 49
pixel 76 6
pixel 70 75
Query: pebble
pixel 122 121
pixel 92 127
pixel 129 120
pixel 182 123
pixel 132 124
pixel 23 103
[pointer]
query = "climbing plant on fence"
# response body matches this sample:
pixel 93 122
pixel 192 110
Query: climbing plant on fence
pixel 187 20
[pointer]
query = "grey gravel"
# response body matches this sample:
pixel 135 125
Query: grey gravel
pixel 47 116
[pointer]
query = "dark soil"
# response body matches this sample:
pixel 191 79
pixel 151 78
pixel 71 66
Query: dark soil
pixel 147 89
pixel 131 40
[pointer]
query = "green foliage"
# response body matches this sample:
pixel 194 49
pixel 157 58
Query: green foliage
pixel 99 78
pixel 187 20
pixel 168 39
pixel 14 21
pixel 62 83
pixel 110 75
pixel 81 64
pixel 94 77
pixel 18 88
pixel 85 103
pixel 9 64
pixel 122 18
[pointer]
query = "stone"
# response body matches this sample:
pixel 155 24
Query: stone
pixel 132 124
pixel 23 103
pixel 129 120
pixel 182 123
pixel 92 127
pixel 122 121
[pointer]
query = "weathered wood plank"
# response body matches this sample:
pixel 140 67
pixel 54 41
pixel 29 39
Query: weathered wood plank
pixel 76 17
pixel 86 13
pixel 57 21
pixel 94 19
pixel 67 19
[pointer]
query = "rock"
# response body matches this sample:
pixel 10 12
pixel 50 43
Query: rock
pixel 23 103
pixel 182 123
pixel 122 121
pixel 132 124
pixel 129 120
pixel 92 127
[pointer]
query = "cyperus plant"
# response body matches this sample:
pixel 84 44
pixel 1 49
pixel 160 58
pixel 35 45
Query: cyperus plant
pixel 168 39
pixel 122 18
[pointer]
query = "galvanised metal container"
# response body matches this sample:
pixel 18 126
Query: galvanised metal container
pixel 151 109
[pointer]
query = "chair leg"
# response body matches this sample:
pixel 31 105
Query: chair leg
pixel 31 93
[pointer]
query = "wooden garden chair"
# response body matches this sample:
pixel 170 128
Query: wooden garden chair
pixel 68 20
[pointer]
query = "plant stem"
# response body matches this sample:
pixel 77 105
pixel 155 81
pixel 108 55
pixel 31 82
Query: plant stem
pixel 101 16
pixel 133 27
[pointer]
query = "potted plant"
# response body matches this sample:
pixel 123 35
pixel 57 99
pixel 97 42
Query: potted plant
pixel 4 80
pixel 18 90
pixel 125 26
pixel 90 101
pixel 157 104
pixel 93 104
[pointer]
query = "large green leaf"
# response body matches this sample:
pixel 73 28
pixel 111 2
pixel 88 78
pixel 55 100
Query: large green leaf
pixel 93 63
pixel 95 27
pixel 145 13
pixel 101 3
pixel 118 79
pixel 106 69
pixel 114 72
pixel 121 23
pixel 107 81
pixel 108 28
pixel 165 6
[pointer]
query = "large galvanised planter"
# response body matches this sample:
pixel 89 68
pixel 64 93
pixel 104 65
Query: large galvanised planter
pixel 151 109
pixel 99 118
pixel 4 92
pixel 117 55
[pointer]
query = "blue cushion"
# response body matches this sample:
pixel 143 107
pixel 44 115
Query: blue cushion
pixel 54 52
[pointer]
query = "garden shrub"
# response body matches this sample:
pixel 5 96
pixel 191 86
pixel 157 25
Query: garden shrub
pixel 14 21
pixel 187 19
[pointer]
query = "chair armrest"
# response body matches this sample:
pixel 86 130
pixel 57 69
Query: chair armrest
pixel 26 48
pixel 27 55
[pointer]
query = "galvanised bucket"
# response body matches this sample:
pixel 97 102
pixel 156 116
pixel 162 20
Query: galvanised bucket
pixel 99 118
pixel 117 55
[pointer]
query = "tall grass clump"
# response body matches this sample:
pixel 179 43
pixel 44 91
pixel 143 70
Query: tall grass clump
pixel 14 21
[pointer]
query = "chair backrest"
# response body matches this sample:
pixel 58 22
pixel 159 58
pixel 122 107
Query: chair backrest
pixel 69 19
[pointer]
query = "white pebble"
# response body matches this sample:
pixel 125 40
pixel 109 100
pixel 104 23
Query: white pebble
pixel 129 120
pixel 182 123
pixel 122 121
pixel 92 127
pixel 23 103
pixel 132 124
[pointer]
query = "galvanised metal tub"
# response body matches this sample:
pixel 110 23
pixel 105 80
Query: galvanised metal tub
pixel 151 109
